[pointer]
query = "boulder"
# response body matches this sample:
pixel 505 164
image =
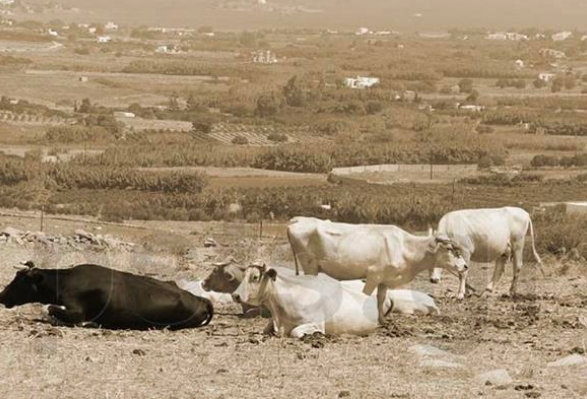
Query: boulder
pixel 428 351
pixel 439 364
pixel 571 360
pixel 210 242
pixel 499 377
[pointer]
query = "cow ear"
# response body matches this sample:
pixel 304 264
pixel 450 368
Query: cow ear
pixel 37 276
pixel 272 274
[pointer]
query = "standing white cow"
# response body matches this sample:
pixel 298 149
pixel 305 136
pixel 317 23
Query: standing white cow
pixel 386 256
pixel 487 235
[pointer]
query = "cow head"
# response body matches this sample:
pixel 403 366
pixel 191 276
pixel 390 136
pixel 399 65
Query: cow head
pixel 26 287
pixel 225 277
pixel 251 290
pixel 449 256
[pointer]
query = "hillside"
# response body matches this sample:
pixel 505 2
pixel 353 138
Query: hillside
pixel 397 14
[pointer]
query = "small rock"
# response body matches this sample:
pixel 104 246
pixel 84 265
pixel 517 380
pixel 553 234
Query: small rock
pixel 428 350
pixel 210 242
pixel 571 360
pixel 221 371
pixel 344 394
pixel 139 352
pixel 11 232
pixel 533 394
pixel 499 377
pixel 439 364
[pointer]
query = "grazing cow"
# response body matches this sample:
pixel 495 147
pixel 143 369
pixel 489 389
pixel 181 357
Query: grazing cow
pixel 91 294
pixel 488 235
pixel 386 256
pixel 301 305
pixel 227 277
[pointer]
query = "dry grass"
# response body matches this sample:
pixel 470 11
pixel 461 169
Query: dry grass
pixel 231 358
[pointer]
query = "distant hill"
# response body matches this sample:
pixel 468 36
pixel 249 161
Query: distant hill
pixel 406 15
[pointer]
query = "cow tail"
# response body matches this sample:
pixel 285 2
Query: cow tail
pixel 210 309
pixel 293 251
pixel 536 256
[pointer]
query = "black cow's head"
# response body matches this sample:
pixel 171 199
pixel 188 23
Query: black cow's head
pixel 25 288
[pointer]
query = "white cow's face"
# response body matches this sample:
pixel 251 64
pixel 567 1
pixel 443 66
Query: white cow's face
pixel 450 256
pixel 251 289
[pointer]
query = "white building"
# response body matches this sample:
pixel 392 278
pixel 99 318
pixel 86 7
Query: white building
pixel 560 36
pixel 519 64
pixel 123 114
pixel 471 108
pixel 361 82
pixel 168 49
pixel 111 26
pixel 362 31
pixel 52 32
pixel 264 57
pixel 104 39
pixel 514 36
pixel 549 52
pixel 546 76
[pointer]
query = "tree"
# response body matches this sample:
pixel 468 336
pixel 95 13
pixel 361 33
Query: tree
pixel 294 93
pixel 557 85
pixel 539 83
pixel 466 85
pixel 202 125
pixel 193 104
pixel 85 107
pixel 473 97
pixel 267 105
pixel 173 103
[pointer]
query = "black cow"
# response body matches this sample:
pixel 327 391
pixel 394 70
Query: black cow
pixel 109 298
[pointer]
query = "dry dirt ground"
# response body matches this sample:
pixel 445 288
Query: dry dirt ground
pixel 232 358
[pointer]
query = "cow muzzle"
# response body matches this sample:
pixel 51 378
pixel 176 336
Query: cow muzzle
pixel 236 298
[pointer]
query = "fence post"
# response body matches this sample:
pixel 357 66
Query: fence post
pixel 42 217
pixel 454 183
pixel 260 229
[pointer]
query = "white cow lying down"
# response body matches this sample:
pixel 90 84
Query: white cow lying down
pixel 404 301
pixel 195 287
pixel 226 277
pixel 302 305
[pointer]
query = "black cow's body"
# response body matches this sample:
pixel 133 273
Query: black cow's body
pixel 109 298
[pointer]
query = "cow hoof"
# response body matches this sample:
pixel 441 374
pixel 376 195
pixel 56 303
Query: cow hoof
pixel 460 297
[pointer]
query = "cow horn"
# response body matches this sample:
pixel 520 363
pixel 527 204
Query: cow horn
pixel 225 262
pixel 442 239
pixel 29 263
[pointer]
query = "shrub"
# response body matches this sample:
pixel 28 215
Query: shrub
pixel 484 129
pixel 241 140
pixel 277 137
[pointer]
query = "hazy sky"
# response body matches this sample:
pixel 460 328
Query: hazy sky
pixel 394 14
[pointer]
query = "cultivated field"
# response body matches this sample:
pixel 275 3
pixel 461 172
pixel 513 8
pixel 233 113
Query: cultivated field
pixel 233 358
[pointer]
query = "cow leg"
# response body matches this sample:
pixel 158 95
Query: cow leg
pixel 435 275
pixel 517 265
pixel 381 297
pixel 66 315
pixel 463 279
pixel 497 273
pixel 270 328
pixel 462 286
